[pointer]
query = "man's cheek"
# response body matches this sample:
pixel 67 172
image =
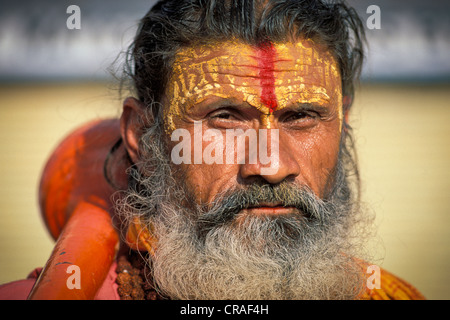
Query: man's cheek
pixel 325 154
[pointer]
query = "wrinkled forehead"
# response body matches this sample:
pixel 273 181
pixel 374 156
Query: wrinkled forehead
pixel 268 77
pixel 300 55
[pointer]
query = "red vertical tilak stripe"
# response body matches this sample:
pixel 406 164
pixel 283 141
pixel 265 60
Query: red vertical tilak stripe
pixel 265 54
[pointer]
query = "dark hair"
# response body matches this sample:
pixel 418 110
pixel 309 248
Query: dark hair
pixel 172 24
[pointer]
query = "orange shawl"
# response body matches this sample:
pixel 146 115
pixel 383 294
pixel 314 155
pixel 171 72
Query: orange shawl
pixel 392 288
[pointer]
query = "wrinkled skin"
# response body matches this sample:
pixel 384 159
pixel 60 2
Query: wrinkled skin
pixel 292 87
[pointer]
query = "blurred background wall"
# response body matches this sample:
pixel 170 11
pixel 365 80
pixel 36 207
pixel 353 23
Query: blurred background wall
pixel 53 79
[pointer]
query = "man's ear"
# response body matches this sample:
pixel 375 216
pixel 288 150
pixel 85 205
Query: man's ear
pixel 131 125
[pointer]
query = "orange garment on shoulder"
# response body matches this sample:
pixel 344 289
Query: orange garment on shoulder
pixel 392 288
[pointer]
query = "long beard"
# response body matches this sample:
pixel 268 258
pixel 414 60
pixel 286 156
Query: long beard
pixel 212 251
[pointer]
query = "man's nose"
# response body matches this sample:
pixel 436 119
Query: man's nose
pixel 280 167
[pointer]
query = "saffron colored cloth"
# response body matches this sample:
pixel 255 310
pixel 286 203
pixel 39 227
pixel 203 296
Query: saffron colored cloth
pixel 19 290
pixel 392 288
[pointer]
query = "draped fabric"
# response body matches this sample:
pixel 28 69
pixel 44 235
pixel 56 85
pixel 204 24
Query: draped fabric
pixel 392 288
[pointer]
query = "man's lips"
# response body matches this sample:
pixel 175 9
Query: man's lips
pixel 270 209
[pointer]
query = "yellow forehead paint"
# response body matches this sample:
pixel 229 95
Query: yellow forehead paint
pixel 268 77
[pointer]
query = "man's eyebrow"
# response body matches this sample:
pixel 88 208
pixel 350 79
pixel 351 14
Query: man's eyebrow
pixel 219 103
pixel 308 106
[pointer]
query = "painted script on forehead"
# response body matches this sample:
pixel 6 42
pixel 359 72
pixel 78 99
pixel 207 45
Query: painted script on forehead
pixel 268 77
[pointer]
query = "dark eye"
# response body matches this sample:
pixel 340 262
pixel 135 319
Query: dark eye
pixel 224 118
pixel 225 113
pixel 222 115
pixel 295 116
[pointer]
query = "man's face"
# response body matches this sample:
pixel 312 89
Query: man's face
pixel 230 229
pixel 294 88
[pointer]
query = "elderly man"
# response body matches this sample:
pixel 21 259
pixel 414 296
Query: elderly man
pixel 236 157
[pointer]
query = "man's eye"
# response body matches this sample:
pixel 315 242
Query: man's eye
pixel 298 116
pixel 225 119
pixel 222 115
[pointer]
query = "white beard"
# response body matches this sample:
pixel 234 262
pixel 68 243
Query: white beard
pixel 252 260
